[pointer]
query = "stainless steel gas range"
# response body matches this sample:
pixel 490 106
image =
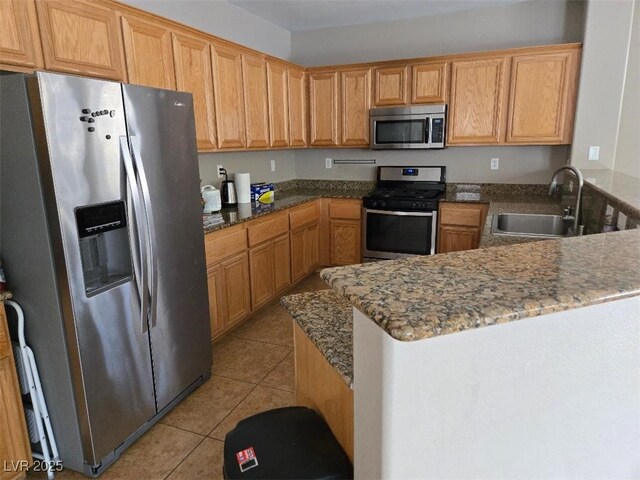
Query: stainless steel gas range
pixel 400 217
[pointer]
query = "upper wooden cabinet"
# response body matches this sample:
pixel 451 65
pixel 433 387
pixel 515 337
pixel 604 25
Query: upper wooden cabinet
pixel 278 97
pixel 148 54
pixel 20 40
pixel 256 110
pixel 355 104
pixel 80 37
pixel 297 107
pixel 542 97
pixel 429 82
pixel 391 86
pixel 323 114
pixel 193 74
pixel 477 102
pixel 229 96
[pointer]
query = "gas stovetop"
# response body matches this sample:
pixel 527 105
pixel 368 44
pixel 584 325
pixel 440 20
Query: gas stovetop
pixel 407 188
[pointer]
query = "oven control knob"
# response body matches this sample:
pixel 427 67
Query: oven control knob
pixel 374 204
pixel 414 205
pixel 383 204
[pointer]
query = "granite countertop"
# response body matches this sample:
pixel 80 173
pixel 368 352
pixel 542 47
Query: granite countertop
pixel 6 295
pixel 327 319
pixel 283 200
pixel 422 297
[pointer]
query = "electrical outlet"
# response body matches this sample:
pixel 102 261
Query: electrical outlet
pixel 273 165
pixel 495 163
pixel 594 153
pixel 219 170
pixel 328 163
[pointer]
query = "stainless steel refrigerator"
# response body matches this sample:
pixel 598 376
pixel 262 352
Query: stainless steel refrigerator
pixel 103 246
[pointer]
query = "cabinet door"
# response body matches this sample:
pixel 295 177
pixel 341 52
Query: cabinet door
pixel 391 86
pixel 147 51
pixel 346 239
pixel 193 74
pixel 281 264
pixel 298 269
pixel 278 105
pixel 254 74
pixel 229 97
pixel 216 299
pixel 429 82
pixel 311 254
pixel 477 101
pixel 542 97
pixel 454 238
pixel 297 108
pixel 261 264
pixel 80 37
pixel 235 275
pixel 14 439
pixel 323 99
pixel 20 39
pixel 356 101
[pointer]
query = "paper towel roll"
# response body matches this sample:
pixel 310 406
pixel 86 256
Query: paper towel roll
pixel 243 187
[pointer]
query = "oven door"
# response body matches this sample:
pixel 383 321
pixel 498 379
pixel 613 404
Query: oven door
pixel 394 234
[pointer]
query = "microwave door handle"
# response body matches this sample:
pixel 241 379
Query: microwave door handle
pixel 427 128
pixel 139 264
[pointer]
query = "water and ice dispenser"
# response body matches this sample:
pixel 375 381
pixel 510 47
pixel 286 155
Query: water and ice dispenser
pixel 104 246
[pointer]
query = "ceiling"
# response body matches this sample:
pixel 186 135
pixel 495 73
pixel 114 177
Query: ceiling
pixel 299 15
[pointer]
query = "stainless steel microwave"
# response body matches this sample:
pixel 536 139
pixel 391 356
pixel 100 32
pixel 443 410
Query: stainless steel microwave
pixel 407 127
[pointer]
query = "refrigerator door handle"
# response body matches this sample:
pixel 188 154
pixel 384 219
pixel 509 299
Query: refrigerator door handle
pixel 141 270
pixel 150 231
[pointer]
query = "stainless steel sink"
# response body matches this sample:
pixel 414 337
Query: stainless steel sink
pixel 531 225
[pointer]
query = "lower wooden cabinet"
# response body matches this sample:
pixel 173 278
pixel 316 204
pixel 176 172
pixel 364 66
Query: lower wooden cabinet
pixel 228 278
pixel 304 251
pixel 236 285
pixel 14 440
pixel 460 226
pixel 345 231
pixel 269 270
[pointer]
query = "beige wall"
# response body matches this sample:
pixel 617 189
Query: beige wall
pixel 520 24
pixel 533 164
pixel 604 60
pixel 258 164
pixel 223 19
pixel 628 148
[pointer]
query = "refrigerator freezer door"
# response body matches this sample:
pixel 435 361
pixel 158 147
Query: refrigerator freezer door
pixel 108 351
pixel 161 130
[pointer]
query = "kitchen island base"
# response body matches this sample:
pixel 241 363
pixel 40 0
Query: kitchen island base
pixel 320 387
pixel 555 396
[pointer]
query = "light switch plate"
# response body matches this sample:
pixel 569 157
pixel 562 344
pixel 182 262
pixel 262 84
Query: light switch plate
pixel 594 152
pixel 273 165
pixel 495 163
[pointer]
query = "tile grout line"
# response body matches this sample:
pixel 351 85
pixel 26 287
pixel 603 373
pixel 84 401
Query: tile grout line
pixel 230 412
pixel 186 456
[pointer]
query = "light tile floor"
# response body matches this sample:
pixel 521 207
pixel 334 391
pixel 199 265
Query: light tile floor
pixel 252 372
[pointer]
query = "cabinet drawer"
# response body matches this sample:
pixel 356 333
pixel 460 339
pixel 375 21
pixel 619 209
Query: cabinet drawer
pixel 270 227
pixel 305 214
pixel 219 245
pixel 466 215
pixel 345 209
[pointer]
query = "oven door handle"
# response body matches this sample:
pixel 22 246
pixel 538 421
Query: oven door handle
pixel 406 214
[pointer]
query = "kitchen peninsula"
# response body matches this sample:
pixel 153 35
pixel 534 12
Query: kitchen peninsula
pixel 552 394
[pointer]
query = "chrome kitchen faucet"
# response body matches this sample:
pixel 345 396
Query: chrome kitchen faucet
pixel 570 212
